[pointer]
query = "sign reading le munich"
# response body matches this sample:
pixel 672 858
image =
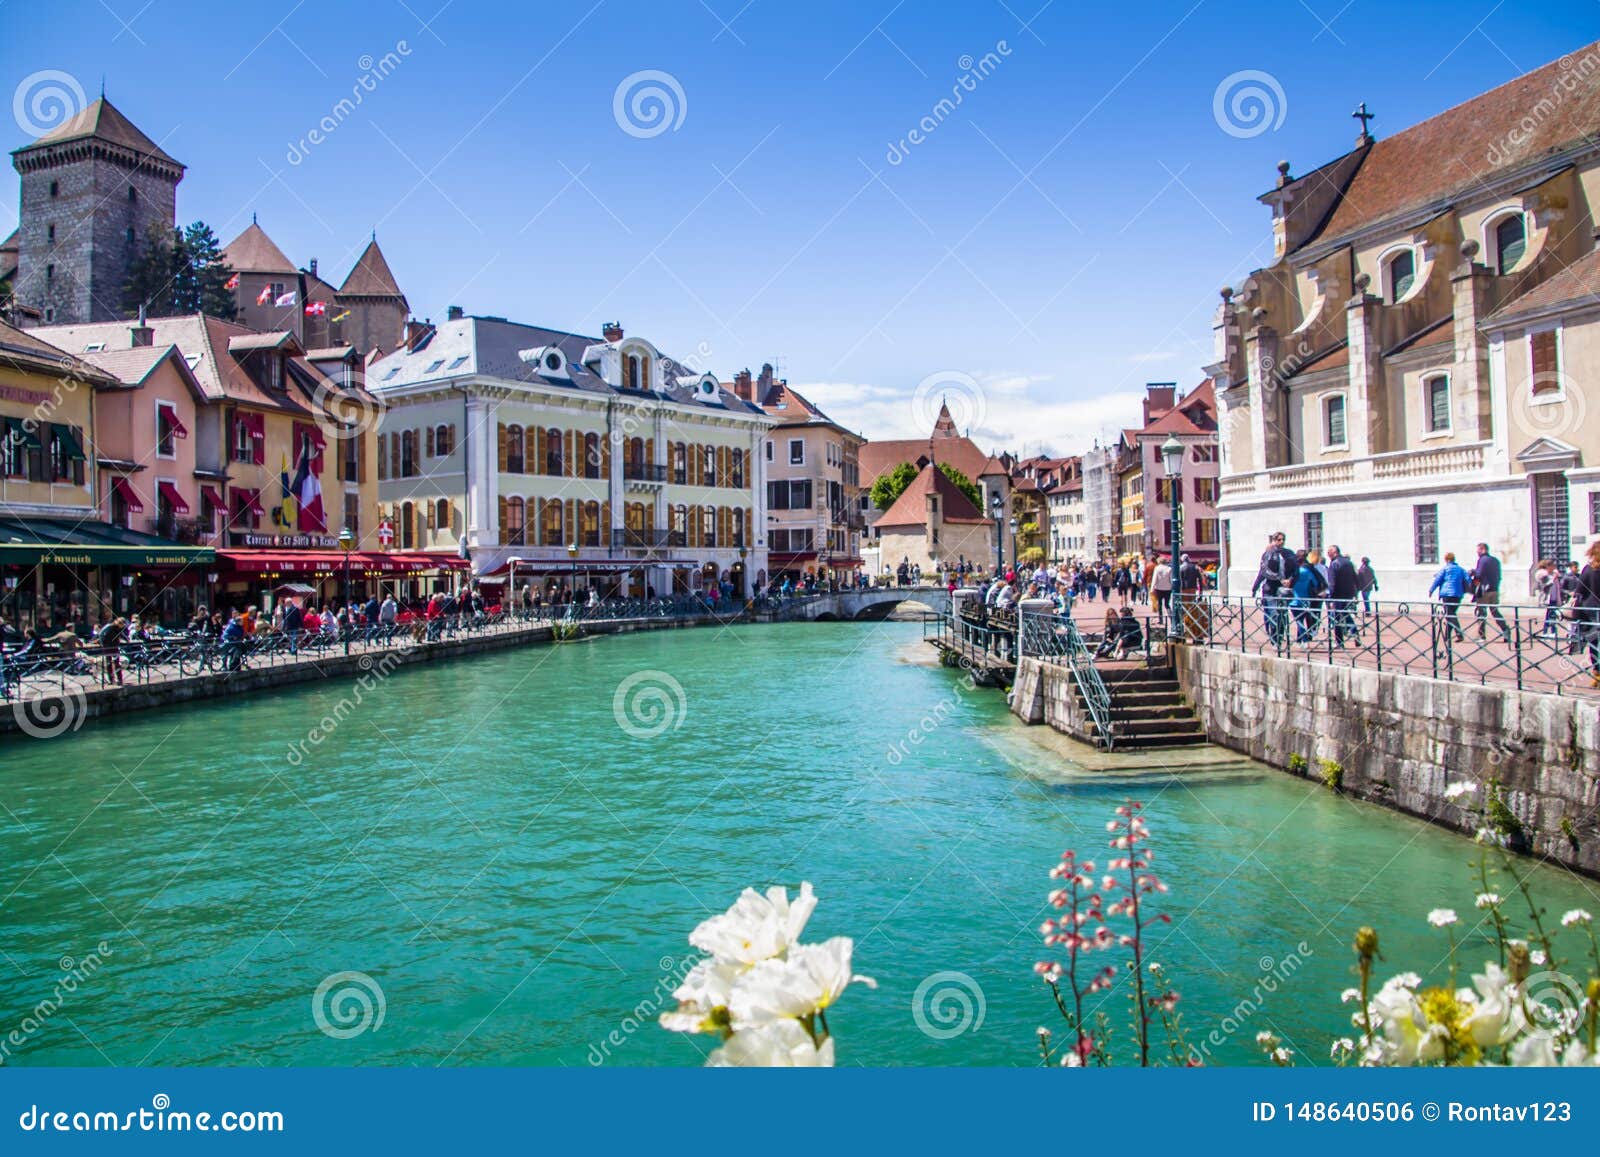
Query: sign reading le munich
pixel 286 541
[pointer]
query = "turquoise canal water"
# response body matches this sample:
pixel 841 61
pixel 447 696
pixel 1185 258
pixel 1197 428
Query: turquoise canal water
pixel 516 873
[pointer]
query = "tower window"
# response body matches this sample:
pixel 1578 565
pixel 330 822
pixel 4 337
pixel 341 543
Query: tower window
pixel 133 194
pixel 129 234
pixel 55 188
pixel 49 272
pixel 50 234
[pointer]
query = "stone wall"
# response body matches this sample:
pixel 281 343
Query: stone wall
pixel 1400 740
pixel 1044 693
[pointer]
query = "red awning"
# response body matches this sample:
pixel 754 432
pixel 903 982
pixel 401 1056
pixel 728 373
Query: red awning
pixel 120 487
pixel 170 492
pixel 282 561
pixel 431 560
pixel 179 430
pixel 252 501
pixel 213 496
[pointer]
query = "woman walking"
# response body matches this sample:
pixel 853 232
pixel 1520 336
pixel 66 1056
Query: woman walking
pixel 1585 610
pixel 1307 587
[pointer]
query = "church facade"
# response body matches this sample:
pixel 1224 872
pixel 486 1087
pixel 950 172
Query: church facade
pixel 1410 375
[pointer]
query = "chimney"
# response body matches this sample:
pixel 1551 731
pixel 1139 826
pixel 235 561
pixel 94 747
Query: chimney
pixel 416 331
pixel 742 387
pixel 142 334
pixel 1161 397
pixel 765 380
pixel 454 313
pixel 313 267
pixel 612 331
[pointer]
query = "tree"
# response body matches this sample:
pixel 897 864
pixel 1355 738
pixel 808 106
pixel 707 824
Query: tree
pixel 180 271
pixel 892 484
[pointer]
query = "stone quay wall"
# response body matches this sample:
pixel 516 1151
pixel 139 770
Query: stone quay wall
pixel 1401 740
pixel 1044 693
pixel 77 708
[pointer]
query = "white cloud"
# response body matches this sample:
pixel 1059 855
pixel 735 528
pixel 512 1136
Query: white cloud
pixel 1152 356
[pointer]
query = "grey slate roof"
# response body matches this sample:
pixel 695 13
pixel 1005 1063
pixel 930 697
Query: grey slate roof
pixel 490 347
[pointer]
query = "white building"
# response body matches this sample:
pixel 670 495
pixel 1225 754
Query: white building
pixel 566 457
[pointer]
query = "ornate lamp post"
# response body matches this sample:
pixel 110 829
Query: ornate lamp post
pixel 997 508
pixel 572 555
pixel 1172 464
pixel 346 542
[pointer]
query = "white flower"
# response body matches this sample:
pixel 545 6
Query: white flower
pixel 1538 956
pixel 1456 790
pixel 1071 1060
pixel 1350 995
pixel 1042 1031
pixel 1492 1019
pixel 1442 917
pixel 809 981
pixel 1342 1047
pixel 1281 1055
pixel 1407 1037
pixel 1535 1050
pixel 1265 1038
pixel 757 927
pixel 781 1044
pixel 1488 899
pixel 1575 916
pixel 703 992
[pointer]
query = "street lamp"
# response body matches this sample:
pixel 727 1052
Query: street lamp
pixel 572 554
pixel 1172 464
pixel 346 542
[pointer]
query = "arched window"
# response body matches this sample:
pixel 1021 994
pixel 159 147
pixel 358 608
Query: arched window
pixel 680 464
pixel 709 469
pixel 1509 242
pixel 441 515
pixel 737 469
pixel 590 524
pixel 553 530
pixel 408 527
pixel 1436 403
pixel 1399 275
pixel 678 525
pixel 553 453
pixel 515 462
pixel 516 522
pixel 133 194
pixel 591 455
pixel 636 453
pixel 408 454
pixel 738 526
pixel 630 372
pixel 444 441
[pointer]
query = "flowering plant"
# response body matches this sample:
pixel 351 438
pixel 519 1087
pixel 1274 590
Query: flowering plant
pixel 760 989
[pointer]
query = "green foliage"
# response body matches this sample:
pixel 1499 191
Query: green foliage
pixel 1297 764
pixel 1501 818
pixel 180 271
pixel 1569 831
pixel 1332 774
pixel 1033 556
pixel 891 484
pixel 964 484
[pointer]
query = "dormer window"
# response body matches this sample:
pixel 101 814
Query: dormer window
pixel 630 372
pixel 1508 241
pixel 275 371
pixel 1399 275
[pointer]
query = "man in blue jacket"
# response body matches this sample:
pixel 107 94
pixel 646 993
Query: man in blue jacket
pixel 1486 592
pixel 1342 588
pixel 1273 578
pixel 1451 583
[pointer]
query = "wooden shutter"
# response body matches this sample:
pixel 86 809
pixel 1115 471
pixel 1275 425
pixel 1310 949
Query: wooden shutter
pixel 431 454
pixel 503 446
pixel 605 523
pixel 503 523
pixel 649 451
pixel 383 458
pixel 394 455
pixel 536 448
pixel 748 526
pixel 605 455
pixel 572 520
pixel 452 429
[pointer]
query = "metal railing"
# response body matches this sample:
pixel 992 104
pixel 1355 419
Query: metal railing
pixel 1530 648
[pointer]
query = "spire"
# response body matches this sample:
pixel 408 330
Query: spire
pixel 371 276
pixel 945 426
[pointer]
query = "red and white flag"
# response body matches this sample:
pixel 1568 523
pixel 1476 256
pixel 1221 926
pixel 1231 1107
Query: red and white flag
pixel 265 296
pixel 316 308
pixel 232 282
pixel 286 300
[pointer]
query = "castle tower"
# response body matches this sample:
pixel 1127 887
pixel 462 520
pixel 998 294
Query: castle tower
pixel 93 189
pixel 378 309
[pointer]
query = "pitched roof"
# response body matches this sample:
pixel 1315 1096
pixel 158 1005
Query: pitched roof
pixel 1578 283
pixel 911 508
pixel 371 276
pixel 254 252
pixel 1195 413
pixel 1331 358
pixel 27 352
pixel 877 458
pixel 132 366
pixel 9 249
pixel 102 121
pixel 944 425
pixel 1462 147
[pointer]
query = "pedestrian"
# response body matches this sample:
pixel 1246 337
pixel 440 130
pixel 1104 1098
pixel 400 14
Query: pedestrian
pixel 110 640
pixel 1366 584
pixel 1343 584
pixel 1585 610
pixel 294 619
pixel 1451 583
pixel 1486 593
pixel 1548 582
pixel 1274 580
pixel 232 642
pixel 1307 587
pixel 1161 585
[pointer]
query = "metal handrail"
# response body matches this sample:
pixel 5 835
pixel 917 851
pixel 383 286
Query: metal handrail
pixel 1087 676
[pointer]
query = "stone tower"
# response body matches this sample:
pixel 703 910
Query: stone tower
pixel 92 191
pixel 377 307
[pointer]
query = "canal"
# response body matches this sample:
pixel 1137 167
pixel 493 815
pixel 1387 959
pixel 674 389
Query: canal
pixel 514 854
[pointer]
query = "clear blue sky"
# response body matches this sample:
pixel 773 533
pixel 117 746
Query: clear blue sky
pixel 1058 238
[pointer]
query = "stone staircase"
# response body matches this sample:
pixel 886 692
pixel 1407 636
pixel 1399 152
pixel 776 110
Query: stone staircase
pixel 1147 710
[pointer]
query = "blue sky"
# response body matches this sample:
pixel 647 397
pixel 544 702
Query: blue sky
pixel 1053 243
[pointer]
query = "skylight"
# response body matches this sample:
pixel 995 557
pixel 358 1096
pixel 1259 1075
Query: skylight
pixel 434 367
pixel 394 373
pixel 459 362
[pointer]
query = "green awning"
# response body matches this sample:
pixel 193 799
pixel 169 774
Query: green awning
pixel 18 431
pixel 70 542
pixel 71 448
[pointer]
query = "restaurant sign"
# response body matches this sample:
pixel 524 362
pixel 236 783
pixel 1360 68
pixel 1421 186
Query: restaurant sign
pixel 283 541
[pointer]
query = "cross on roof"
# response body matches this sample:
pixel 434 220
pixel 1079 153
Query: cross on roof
pixel 1361 114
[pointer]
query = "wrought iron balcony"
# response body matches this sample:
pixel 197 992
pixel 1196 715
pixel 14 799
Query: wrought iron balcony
pixel 643 472
pixel 646 539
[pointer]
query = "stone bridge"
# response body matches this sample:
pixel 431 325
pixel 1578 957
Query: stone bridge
pixel 870 604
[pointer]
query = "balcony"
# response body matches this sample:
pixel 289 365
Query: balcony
pixel 643 472
pixel 1399 466
pixel 188 531
pixel 646 539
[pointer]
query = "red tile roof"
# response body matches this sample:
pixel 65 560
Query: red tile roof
pixel 371 276
pixel 1459 149
pixel 911 509
pixel 102 121
pixel 878 458
pixel 1578 282
pixel 254 252
pixel 1195 413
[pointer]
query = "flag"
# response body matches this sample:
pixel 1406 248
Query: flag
pixel 264 296
pixel 284 514
pixel 340 316
pixel 232 282
pixel 308 490
pixel 286 300
pixel 316 308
